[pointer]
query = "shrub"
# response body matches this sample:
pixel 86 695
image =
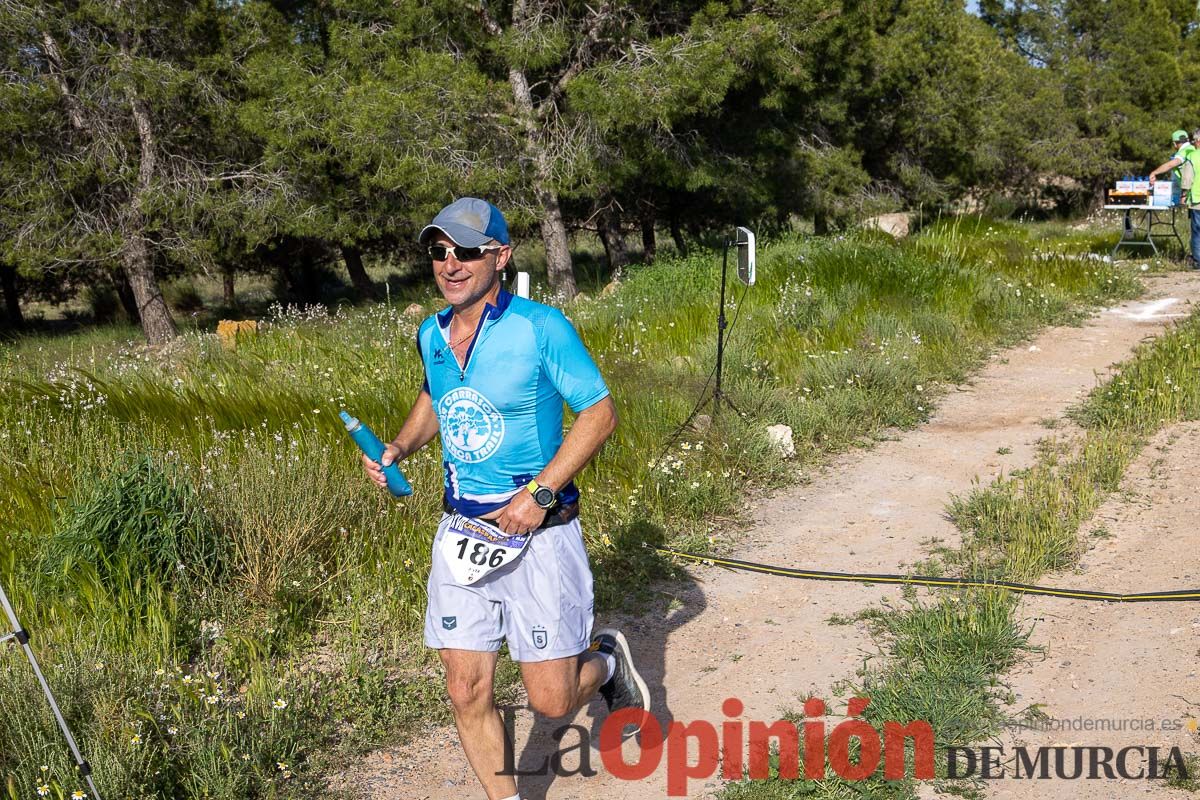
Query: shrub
pixel 139 519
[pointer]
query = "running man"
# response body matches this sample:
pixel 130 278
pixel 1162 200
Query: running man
pixel 508 558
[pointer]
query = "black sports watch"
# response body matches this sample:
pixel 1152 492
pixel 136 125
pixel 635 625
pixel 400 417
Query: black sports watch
pixel 542 495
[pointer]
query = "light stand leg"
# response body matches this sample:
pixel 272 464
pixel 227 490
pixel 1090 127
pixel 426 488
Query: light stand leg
pixel 22 638
pixel 718 396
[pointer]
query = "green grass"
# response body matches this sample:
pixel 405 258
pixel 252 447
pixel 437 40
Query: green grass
pixel 945 658
pixel 295 579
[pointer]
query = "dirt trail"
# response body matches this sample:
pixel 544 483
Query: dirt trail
pixel 767 641
pixel 1129 668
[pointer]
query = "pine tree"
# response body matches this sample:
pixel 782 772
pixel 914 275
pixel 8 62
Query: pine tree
pixel 121 166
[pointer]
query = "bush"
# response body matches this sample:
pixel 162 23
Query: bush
pixel 141 520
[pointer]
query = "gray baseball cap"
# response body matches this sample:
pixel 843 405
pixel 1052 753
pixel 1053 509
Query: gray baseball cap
pixel 469 222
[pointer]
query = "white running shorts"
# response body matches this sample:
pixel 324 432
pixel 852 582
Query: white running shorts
pixel 541 603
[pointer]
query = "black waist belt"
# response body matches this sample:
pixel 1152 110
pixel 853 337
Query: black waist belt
pixel 561 514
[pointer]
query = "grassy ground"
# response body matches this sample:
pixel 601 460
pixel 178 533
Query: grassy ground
pixel 945 657
pixel 226 608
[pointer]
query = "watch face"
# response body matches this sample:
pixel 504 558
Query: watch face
pixel 544 497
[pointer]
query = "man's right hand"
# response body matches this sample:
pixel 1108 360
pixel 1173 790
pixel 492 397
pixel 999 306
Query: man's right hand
pixel 374 471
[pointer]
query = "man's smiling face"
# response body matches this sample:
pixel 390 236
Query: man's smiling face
pixel 465 283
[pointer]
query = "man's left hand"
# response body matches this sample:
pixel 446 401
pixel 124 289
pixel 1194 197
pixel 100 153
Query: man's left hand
pixel 521 515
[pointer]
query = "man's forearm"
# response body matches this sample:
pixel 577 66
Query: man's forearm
pixel 419 427
pixel 591 429
pixel 1161 168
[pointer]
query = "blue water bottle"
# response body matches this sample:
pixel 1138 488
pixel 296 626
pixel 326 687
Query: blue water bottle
pixel 369 443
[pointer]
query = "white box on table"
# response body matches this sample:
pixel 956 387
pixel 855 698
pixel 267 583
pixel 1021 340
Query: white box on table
pixel 1166 194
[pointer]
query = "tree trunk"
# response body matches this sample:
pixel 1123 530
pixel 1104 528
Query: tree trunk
pixel 13 317
pixel 614 240
pixel 363 287
pixel 228 295
pixel 559 270
pixel 649 241
pixel 677 237
pixel 157 323
pixel 820 223
pixel 152 308
pixel 554 232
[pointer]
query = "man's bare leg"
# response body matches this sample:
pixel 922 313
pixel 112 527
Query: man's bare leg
pixel 562 686
pixel 469 681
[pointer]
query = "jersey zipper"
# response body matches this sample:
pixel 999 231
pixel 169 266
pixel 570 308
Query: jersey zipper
pixel 462 370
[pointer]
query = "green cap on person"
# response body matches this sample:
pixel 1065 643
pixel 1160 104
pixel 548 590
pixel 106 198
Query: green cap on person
pixel 1179 136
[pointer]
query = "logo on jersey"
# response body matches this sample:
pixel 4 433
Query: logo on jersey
pixel 472 428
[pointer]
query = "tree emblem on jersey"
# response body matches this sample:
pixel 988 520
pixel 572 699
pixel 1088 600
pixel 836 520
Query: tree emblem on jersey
pixel 464 422
pixel 472 428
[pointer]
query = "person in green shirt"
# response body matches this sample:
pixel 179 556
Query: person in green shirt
pixel 1183 166
pixel 1183 148
pixel 1192 199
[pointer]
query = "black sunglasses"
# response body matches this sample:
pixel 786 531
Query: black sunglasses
pixel 440 252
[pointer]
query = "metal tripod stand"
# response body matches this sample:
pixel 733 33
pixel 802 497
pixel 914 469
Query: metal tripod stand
pixel 718 396
pixel 743 240
pixel 21 636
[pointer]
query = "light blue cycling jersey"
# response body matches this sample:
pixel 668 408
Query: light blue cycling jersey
pixel 501 415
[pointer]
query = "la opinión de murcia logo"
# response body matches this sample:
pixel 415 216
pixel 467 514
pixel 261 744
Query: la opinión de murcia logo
pixel 743 750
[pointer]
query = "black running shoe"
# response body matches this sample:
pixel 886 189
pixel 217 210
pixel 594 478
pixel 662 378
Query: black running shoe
pixel 625 689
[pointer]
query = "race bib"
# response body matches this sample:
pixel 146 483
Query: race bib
pixel 473 548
